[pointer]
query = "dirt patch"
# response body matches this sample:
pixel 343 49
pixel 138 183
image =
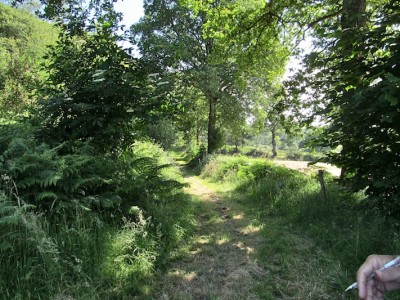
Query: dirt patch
pixel 219 262
pixel 303 166
pixel 198 189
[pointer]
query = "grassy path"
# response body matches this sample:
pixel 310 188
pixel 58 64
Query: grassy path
pixel 219 260
pixel 237 254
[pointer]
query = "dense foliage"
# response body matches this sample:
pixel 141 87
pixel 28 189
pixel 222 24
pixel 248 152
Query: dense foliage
pixel 353 84
pixel 367 123
pixel 95 90
pixel 23 41
pixel 81 199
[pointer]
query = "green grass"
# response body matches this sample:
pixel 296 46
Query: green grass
pixel 312 247
pixel 309 248
pixel 42 260
pixel 89 259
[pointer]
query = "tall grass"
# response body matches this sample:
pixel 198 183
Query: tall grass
pixel 343 226
pixel 39 259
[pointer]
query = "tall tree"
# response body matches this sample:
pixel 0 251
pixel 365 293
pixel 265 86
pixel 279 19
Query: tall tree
pixel 175 37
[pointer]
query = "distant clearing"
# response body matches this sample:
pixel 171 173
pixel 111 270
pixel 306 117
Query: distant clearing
pixel 303 166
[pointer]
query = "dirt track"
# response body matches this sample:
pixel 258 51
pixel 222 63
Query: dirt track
pixel 219 262
pixel 304 167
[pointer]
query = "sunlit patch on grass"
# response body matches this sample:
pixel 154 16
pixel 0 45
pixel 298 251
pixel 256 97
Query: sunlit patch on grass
pixel 251 229
pixel 222 240
pixel 238 216
pixel 187 276
pixel 203 240
pixel 243 247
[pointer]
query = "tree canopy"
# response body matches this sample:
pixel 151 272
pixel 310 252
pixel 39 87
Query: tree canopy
pixel 173 37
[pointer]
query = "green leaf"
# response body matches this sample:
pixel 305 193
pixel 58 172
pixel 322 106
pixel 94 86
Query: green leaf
pixel 47 195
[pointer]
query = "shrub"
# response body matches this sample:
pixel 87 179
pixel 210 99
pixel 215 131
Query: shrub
pixel 223 168
pixel 163 132
pixel 143 176
pixel 198 159
pixel 58 183
pixel 90 251
pixel 293 154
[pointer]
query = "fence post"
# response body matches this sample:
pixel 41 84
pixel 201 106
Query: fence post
pixel 322 183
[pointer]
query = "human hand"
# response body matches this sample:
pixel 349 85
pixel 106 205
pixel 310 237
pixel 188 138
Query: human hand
pixel 383 281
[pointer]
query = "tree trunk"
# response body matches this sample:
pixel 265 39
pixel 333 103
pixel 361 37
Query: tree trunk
pixel 236 147
pixel 212 122
pixel 273 140
pixel 353 16
pixel 197 136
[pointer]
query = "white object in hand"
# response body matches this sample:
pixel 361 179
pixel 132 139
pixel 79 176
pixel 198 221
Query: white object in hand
pixel 393 263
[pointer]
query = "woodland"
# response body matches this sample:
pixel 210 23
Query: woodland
pixel 103 128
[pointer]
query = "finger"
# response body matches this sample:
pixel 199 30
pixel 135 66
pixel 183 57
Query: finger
pixel 373 262
pixel 366 269
pixel 370 291
pixel 391 286
pixel 388 275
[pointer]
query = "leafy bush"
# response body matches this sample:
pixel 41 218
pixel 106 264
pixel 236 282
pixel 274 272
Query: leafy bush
pixel 143 180
pixel 362 90
pixel 78 246
pixel 23 42
pixel 10 130
pixel 293 154
pixel 255 152
pixel 223 168
pixel 95 89
pixel 197 159
pixel 163 132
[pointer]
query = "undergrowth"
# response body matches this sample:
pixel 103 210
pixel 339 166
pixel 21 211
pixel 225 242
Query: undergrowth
pixel 76 225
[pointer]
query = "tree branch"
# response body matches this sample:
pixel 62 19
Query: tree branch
pixel 328 16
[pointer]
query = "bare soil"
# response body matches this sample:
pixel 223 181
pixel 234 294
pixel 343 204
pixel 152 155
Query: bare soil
pixel 303 166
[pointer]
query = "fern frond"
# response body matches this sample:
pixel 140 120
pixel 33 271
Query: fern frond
pixel 17 147
pixel 28 182
pixel 9 220
pixel 47 195
pixel 48 178
pixel 9 213
pixel 161 167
